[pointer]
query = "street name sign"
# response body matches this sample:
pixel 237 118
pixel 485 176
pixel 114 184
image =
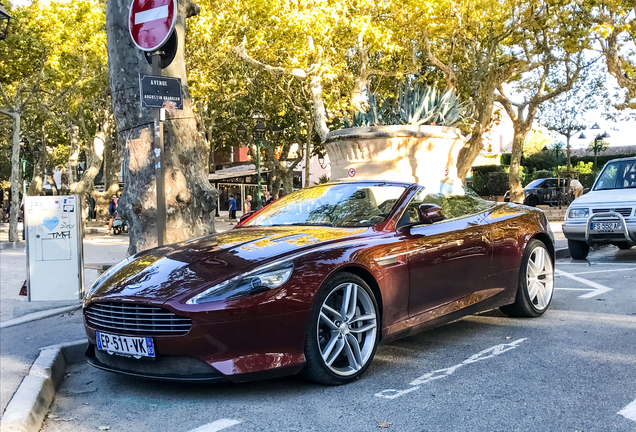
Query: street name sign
pixel 151 22
pixel 155 90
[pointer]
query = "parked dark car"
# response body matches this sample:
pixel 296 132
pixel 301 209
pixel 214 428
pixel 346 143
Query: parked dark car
pixel 314 281
pixel 540 191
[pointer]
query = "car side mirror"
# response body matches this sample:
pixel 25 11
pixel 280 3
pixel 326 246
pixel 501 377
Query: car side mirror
pixel 430 213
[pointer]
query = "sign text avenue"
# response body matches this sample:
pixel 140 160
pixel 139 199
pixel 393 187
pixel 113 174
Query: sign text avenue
pixel 155 90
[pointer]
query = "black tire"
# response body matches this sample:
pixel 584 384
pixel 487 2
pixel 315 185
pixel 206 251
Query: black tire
pixel 578 249
pixel 530 303
pixel 117 230
pixel 319 333
pixel 532 200
pixel 623 245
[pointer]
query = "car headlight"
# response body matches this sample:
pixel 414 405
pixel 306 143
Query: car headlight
pixel 258 280
pixel 108 273
pixel 578 213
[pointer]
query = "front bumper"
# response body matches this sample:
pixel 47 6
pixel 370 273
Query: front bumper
pixel 579 230
pixel 241 350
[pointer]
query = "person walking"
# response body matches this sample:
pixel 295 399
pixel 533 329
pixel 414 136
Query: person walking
pixel 268 198
pixel 232 208
pixel 577 188
pixel 247 205
pixel 112 209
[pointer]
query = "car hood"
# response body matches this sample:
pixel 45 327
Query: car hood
pixel 608 198
pixel 167 272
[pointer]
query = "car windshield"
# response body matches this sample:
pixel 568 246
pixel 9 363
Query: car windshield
pixel 535 183
pixel 617 175
pixel 338 205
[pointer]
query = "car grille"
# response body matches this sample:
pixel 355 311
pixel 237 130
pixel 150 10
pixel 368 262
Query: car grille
pixel 137 319
pixel 626 212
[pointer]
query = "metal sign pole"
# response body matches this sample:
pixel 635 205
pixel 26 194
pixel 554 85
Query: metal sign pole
pixel 159 166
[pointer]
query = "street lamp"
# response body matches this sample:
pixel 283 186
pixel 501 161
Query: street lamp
pixel 599 139
pixel 4 16
pixel 258 133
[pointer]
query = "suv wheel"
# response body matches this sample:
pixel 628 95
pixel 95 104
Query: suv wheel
pixel 623 245
pixel 578 249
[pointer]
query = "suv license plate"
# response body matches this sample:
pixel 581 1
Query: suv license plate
pixel 128 346
pixel 605 226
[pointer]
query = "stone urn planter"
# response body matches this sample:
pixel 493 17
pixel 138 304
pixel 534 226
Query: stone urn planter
pixel 421 154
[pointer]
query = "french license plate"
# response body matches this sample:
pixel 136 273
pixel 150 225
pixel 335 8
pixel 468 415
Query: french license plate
pixel 129 346
pixel 605 226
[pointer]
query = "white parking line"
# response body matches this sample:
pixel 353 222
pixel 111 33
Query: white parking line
pixel 443 373
pixel 217 425
pixel 598 288
pixel 604 271
pixel 629 411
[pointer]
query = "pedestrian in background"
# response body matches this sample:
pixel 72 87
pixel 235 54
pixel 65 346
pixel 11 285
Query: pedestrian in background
pixel 247 205
pixel 232 208
pixel 112 209
pixel 577 188
pixel 268 198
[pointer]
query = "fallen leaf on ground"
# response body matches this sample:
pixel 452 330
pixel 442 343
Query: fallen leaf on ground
pixel 104 428
pixel 384 425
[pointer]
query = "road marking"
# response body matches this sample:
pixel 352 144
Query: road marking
pixel 593 264
pixel 629 411
pixel 151 15
pixel 443 373
pixel 604 271
pixel 217 425
pixel 598 288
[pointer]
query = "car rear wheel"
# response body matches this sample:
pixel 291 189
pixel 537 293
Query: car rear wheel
pixel 536 282
pixel 343 331
pixel 578 249
pixel 532 201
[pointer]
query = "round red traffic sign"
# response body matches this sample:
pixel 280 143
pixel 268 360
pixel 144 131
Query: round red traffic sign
pixel 151 22
pixel 352 172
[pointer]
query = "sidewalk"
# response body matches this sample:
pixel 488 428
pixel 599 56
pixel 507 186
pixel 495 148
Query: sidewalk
pixel 99 247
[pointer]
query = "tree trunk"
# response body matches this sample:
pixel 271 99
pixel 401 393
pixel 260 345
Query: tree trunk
pixel 51 181
pixel 516 189
pixel 568 152
pixel 190 200
pixel 475 145
pixel 110 173
pixel 15 177
pixel 73 154
pixel 319 112
pixel 39 169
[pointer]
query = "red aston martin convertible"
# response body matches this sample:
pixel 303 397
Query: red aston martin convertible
pixel 314 281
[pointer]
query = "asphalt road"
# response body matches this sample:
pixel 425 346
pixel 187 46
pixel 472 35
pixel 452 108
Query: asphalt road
pixel 574 369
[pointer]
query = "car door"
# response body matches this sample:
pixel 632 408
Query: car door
pixel 448 260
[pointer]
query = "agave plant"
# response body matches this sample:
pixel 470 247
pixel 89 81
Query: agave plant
pixel 415 106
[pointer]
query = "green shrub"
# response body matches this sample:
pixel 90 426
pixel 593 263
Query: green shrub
pixel 497 183
pixel 505 158
pixel 540 174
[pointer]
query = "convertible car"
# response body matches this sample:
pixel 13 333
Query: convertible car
pixel 313 282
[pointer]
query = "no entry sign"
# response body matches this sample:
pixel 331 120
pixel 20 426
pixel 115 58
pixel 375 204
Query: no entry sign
pixel 151 22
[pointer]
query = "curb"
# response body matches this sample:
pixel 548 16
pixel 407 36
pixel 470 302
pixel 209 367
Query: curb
pixel 38 315
pixel 30 403
pixel 562 253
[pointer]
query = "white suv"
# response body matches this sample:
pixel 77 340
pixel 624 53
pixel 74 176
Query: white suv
pixel 607 214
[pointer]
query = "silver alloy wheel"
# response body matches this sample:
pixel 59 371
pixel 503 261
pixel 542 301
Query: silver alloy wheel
pixel 346 329
pixel 540 278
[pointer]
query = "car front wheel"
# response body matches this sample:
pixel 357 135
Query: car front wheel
pixel 536 282
pixel 578 249
pixel 343 331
